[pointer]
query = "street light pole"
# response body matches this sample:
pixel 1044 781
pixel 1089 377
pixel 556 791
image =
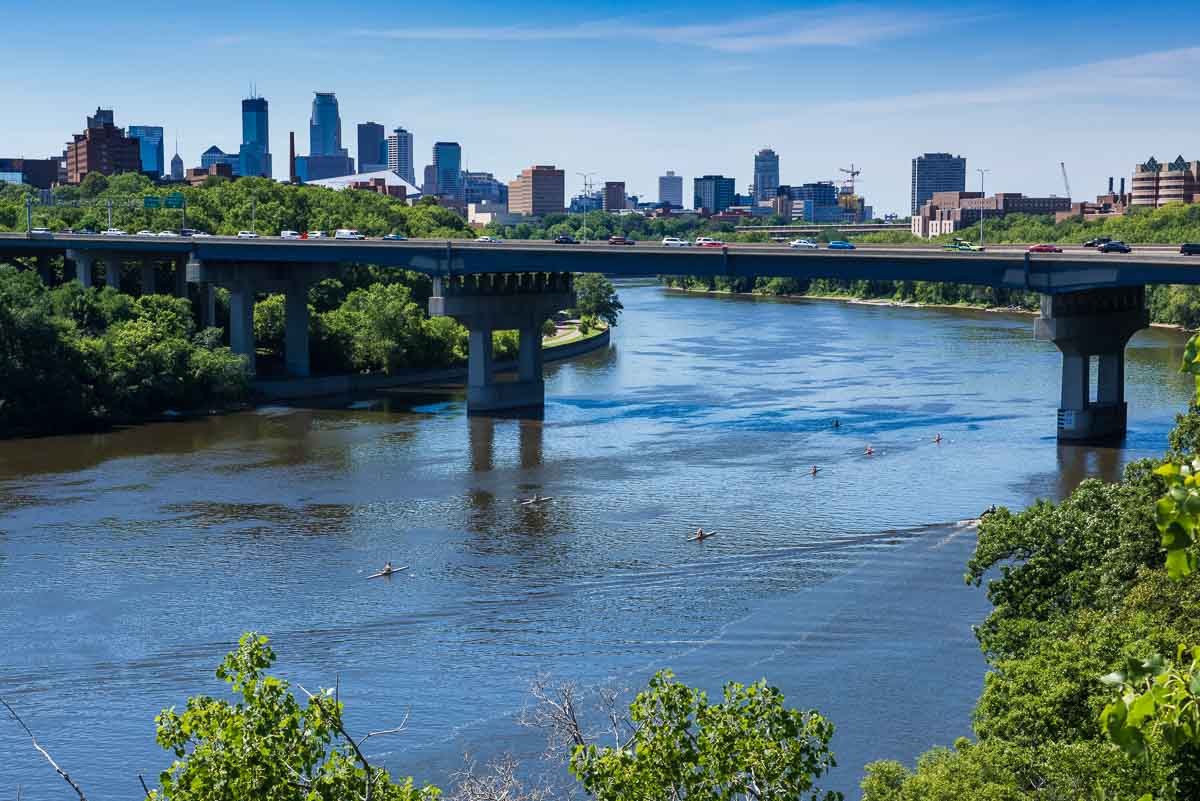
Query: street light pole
pixel 981 203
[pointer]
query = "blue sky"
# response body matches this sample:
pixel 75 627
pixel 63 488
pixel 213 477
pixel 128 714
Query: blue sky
pixel 627 90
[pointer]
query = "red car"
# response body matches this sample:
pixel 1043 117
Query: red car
pixel 617 239
pixel 711 243
pixel 1045 249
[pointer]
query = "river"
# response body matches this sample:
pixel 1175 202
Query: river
pixel 130 561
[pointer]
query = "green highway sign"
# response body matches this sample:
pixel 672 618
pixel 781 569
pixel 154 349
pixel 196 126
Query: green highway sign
pixel 174 201
pixel 151 202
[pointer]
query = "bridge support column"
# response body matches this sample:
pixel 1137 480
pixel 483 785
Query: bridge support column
pixel 208 305
pixel 487 303
pixel 241 322
pixel 43 268
pixel 83 265
pixel 295 332
pixel 1096 322
pixel 147 270
pixel 181 287
pixel 112 271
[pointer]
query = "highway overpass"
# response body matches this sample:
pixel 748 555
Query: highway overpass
pixel 1092 303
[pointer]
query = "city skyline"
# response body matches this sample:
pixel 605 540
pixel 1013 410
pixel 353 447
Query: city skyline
pixel 881 86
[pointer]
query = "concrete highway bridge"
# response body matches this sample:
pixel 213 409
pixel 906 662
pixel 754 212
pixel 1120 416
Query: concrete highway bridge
pixel 1092 303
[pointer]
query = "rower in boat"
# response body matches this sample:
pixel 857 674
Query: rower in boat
pixel 813 472
pixel 535 500
pixel 702 535
pixel 388 570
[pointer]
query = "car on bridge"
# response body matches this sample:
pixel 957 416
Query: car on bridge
pixel 395 237
pixel 289 234
pixel 347 233
pixel 144 232
pixel 41 233
pixel 1097 242
pixel 617 239
pixel 113 232
pixel 803 244
pixel 674 242
pixel 1115 246
pixel 1190 249
pixel 706 242
pixel 1044 248
pixel 313 235
pixel 167 234
pixel 565 239
pixel 491 240
pixel 963 245
pixel 841 244
pixel 247 235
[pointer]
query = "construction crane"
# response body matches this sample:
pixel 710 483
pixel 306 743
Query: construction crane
pixel 853 173
pixel 1062 165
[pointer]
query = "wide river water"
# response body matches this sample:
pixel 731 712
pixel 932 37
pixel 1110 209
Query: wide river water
pixel 131 561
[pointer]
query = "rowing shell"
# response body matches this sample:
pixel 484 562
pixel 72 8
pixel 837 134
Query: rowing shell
pixel 702 537
pixel 534 501
pixel 383 573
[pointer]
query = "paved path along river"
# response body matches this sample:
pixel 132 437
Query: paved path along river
pixel 130 561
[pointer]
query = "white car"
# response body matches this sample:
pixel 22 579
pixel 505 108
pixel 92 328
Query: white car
pixel 803 244
pixel 167 233
pixel 113 232
pixel 198 234
pixel 289 234
pixel 247 235
pixel 41 232
pixel 674 242
pixel 347 233
pixel 316 235
pixel 144 233
pixel 493 240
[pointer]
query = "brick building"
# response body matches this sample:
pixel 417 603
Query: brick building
pixel 947 212
pixel 1155 183
pixel 538 190
pixel 613 197
pixel 102 148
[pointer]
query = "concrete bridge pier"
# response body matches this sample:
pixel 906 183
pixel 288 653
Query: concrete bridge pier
pixel 244 282
pixel 1095 323
pixel 503 302
pixel 180 276
pixel 147 275
pixel 83 262
pixel 112 271
pixel 43 268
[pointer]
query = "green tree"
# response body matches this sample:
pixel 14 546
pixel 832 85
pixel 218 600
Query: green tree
pixel 268 745
pixel 597 297
pixel 749 746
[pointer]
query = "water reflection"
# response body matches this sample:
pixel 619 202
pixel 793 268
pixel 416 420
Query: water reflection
pixel 1079 462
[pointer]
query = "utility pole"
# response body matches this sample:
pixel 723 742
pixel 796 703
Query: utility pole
pixel 28 214
pixel 253 213
pixel 981 203
pixel 110 213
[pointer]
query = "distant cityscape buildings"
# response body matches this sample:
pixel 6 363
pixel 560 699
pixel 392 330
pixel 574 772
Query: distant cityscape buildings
pixel 150 148
pixel 613 198
pixel 670 189
pixel 176 167
pixel 947 212
pixel 372 147
pixel 482 187
pixel 712 194
pixel 215 155
pixel 102 148
pixel 400 155
pixel 447 168
pixel 936 172
pixel 326 157
pixel 538 190
pixel 254 155
pixel 766 175
pixel 1155 183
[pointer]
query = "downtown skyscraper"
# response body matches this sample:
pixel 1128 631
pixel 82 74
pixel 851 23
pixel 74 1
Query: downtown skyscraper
pixel 254 155
pixel 372 147
pixel 766 174
pixel 150 147
pixel 400 155
pixel 326 157
pixel 447 169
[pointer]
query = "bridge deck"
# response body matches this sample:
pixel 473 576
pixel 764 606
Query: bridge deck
pixel 1010 267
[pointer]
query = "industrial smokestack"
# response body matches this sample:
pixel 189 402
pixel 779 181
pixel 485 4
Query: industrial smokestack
pixel 1110 184
pixel 292 156
pixel 1122 187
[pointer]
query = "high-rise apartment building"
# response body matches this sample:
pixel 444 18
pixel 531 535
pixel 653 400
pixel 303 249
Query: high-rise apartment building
pixel 372 147
pixel 670 189
pixel 766 174
pixel 936 172
pixel 400 155
pixel 150 148
pixel 447 167
pixel 712 193
pixel 429 185
pixel 540 189
pixel 254 155
pixel 1155 183
pixel 614 196
pixel 102 148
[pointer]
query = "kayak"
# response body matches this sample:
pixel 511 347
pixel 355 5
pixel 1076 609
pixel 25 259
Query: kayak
pixel 383 573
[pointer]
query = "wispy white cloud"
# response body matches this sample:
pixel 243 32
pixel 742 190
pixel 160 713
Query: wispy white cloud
pixel 841 26
pixel 1163 74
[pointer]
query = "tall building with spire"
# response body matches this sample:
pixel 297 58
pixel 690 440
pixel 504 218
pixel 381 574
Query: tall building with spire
pixel 254 156
pixel 326 157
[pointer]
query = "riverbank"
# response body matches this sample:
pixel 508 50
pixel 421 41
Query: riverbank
pixel 558 348
pixel 856 301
